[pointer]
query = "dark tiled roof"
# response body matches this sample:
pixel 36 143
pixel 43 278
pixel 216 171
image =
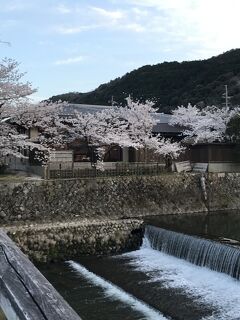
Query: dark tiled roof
pixel 165 127
pixel 162 119
pixel 84 108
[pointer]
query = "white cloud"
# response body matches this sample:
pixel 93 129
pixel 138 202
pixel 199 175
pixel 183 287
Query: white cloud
pixel 136 27
pixel 161 4
pixel 108 14
pixel 140 13
pixel 100 18
pixel 9 23
pixel 16 5
pixel 72 60
pixel 74 29
pixel 203 27
pixel 46 43
pixel 63 9
pixel 197 25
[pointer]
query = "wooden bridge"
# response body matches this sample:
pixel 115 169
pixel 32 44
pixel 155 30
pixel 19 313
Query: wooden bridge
pixel 24 292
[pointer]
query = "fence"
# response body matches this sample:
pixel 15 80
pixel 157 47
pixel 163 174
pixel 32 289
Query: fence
pixel 121 169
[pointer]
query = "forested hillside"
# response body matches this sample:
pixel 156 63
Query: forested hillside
pixel 171 84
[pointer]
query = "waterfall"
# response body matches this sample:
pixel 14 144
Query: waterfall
pixel 201 252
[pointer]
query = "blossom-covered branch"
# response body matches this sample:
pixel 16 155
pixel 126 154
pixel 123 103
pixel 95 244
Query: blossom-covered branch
pixel 130 126
pixel 12 90
pixel 203 125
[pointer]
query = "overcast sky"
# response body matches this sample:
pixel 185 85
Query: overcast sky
pixel 77 45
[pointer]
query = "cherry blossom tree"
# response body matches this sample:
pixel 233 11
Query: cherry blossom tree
pixel 140 123
pixel 203 125
pixel 129 126
pixel 12 90
pixel 18 114
pixel 16 124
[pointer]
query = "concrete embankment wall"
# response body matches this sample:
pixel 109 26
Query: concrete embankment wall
pixel 115 197
pixel 63 241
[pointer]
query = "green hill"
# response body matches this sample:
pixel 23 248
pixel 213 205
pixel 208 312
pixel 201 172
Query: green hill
pixel 171 84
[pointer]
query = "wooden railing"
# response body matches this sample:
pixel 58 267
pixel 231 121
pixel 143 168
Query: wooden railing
pixel 121 169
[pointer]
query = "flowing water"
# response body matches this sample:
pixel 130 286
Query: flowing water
pixel 202 252
pixel 170 277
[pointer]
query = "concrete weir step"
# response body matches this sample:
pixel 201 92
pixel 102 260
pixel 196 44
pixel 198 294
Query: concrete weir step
pixel 60 241
pixel 24 292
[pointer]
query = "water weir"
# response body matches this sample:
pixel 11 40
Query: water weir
pixel 201 252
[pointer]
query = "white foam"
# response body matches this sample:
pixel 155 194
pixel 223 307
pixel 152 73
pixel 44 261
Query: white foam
pixel 117 293
pixel 209 287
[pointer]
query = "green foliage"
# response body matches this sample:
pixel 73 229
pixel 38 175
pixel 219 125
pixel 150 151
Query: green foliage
pixel 171 84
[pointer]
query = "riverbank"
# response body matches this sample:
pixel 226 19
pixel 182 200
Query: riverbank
pixel 116 197
pixel 59 219
pixel 96 198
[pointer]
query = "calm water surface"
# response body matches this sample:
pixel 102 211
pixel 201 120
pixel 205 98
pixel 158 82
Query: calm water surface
pixel 213 225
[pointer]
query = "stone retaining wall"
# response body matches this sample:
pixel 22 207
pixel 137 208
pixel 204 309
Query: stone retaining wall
pixel 117 197
pixel 223 191
pixel 66 218
pixel 62 241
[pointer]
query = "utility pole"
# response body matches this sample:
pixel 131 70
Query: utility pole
pixel 112 102
pixel 226 96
